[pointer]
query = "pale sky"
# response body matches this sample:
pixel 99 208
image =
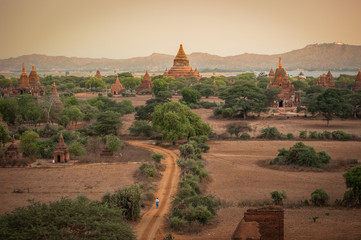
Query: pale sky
pixel 131 28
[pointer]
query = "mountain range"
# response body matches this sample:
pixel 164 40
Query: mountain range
pixel 334 56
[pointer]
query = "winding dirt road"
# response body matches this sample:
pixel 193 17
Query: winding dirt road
pixel 151 225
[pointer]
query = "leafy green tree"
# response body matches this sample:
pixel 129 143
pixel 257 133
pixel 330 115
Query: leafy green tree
pixel 331 103
pixel 113 143
pixel 130 83
pixel 4 136
pixel 271 95
pixel 278 197
pixel 244 99
pixel 107 123
pixel 159 85
pixel 319 197
pixel 355 101
pixel 65 219
pixel 190 95
pixel 353 183
pixel 71 101
pixel 29 146
pixel 32 113
pixel 176 121
pixel 207 92
pixel 139 127
pixel 95 82
pixel 9 109
pixel 74 114
pixel 77 149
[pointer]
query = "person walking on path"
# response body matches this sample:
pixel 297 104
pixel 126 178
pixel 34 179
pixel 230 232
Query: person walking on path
pixel 157 202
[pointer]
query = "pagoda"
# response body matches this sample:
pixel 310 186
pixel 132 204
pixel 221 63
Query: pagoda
pixel 13 152
pixel 146 83
pixel 98 75
pixel 287 97
pixel 106 152
pixel 271 74
pixel 24 80
pixel 30 84
pixel 117 88
pixel 326 80
pixel 61 153
pixel 55 97
pixel 357 84
pixel 181 67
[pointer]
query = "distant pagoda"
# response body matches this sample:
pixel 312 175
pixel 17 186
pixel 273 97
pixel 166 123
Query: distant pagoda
pixel 357 84
pixel 98 75
pixel 326 80
pixel 29 84
pixel 61 152
pixel 181 67
pixel 146 83
pixel 287 97
pixel 271 74
pixel 55 97
pixel 117 88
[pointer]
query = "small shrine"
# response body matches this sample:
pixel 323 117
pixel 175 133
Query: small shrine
pixel 61 153
pixel 326 80
pixel 117 88
pixel 271 74
pixel 13 152
pixel 98 75
pixel 357 84
pixel 146 83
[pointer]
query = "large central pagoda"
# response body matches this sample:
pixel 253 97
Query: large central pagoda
pixel 181 67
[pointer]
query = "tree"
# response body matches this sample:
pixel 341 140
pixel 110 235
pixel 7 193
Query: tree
pixel 32 113
pixel 65 219
pixel 190 95
pixel 271 95
pixel 95 82
pixel 4 136
pixel 244 99
pixel 353 183
pixel 29 146
pixel 9 109
pixel 77 149
pixel 107 123
pixel 113 143
pixel 160 85
pixel 139 127
pixel 130 82
pixel 73 113
pixel 355 101
pixel 176 121
pixel 331 103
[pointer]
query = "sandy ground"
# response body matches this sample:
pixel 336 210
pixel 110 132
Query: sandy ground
pixel 52 183
pixel 236 177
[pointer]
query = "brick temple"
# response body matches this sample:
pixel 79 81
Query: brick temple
pixel 271 74
pixel 357 84
pixel 181 67
pixel 117 88
pixel 288 96
pixel 98 75
pixel 326 80
pixel 61 152
pixel 146 83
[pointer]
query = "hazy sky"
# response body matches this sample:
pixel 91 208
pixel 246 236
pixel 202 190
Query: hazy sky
pixel 123 29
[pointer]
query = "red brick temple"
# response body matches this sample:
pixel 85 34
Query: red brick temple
pixel 357 84
pixel 98 75
pixel 146 83
pixel 61 153
pixel 117 88
pixel 181 67
pixel 326 80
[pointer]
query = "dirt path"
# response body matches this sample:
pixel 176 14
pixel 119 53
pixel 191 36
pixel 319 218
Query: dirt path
pixel 151 225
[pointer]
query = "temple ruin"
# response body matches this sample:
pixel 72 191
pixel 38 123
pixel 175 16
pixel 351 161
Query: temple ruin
pixel 61 153
pixel 181 67
pixel 13 152
pixel 357 84
pixel 146 83
pixel 117 88
pixel 98 75
pixel 326 80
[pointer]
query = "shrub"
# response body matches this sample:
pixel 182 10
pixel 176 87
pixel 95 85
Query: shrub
pixel 290 136
pixel 327 135
pixel 157 157
pixel 140 127
pixel 303 134
pixel 353 183
pixel 208 105
pixel 77 149
pixel 127 199
pixel 22 128
pixel 65 219
pixel 245 136
pixel 113 143
pixel 177 222
pixel 341 136
pixel 47 131
pixel 186 150
pixel 217 111
pixel 278 197
pixel 313 134
pixel 46 148
pixel 148 170
pixel 110 94
pixel 227 112
pixel 319 197
pixel 301 155
pixel 270 133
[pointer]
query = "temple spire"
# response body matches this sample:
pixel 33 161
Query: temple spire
pixel 280 62
pixel 24 70
pixel 54 91
pixel 33 68
pixel 61 139
pixel 117 81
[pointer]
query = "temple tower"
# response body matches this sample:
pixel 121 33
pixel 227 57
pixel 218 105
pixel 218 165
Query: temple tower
pixel 117 88
pixel 146 83
pixel 98 75
pixel 61 153
pixel 24 80
pixel 357 84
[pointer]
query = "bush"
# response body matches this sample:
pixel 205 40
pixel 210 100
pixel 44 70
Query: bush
pixel 148 170
pixel 177 223
pixel 327 135
pixel 186 150
pixel 140 127
pixel 341 136
pixel 217 111
pixel 290 136
pixel 245 136
pixel 270 133
pixel 157 157
pixel 319 197
pixel 127 199
pixel 278 197
pixel 313 134
pixel 301 155
pixel 113 143
pixel 110 94
pixel 46 148
pixel 227 112
pixel 353 183
pixel 77 149
pixel 47 131
pixel 65 219
pixel 22 128
pixel 303 134
pixel 208 105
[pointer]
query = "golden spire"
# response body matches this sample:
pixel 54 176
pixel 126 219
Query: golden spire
pixel 280 62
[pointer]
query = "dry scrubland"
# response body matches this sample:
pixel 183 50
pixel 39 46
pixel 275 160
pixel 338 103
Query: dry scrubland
pixel 238 175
